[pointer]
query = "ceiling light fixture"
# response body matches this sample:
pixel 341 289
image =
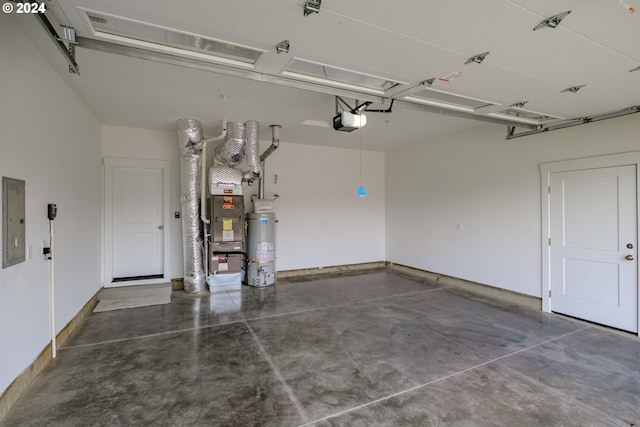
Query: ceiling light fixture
pixel 477 59
pixel 573 89
pixel 312 6
pixel 283 47
pixel 553 21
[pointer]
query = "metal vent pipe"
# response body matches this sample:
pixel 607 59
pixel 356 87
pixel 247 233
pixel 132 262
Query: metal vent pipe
pixel 275 142
pixel 191 142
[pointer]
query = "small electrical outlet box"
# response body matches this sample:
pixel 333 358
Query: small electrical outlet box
pixel 52 211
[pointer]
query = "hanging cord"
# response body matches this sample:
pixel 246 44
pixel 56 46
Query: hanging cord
pixel 360 135
pixel 361 190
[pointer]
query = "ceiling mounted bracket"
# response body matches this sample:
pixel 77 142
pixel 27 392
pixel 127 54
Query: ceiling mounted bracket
pixel 576 122
pixel 311 6
pixel 342 105
pixel 519 104
pixel 573 89
pixel 283 46
pixel 477 58
pixel 429 82
pixel 70 37
pixel 634 69
pixel 552 22
pixel 388 110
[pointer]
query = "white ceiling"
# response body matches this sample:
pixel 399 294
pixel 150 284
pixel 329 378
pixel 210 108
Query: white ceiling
pixel 406 40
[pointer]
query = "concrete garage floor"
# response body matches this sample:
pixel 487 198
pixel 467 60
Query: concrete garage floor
pixel 372 349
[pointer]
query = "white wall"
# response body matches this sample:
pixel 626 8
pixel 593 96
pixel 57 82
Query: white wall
pixel 49 139
pixel 322 220
pixel 491 187
pixel 133 143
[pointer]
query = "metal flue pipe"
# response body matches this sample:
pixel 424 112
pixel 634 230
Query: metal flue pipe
pixel 275 142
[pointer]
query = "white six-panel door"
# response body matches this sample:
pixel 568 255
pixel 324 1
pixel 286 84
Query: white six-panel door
pixel 593 245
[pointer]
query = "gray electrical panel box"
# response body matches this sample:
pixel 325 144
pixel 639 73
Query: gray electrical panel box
pixel 13 221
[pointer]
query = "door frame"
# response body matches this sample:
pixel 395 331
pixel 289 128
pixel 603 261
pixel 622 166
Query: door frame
pixel 546 169
pixel 109 164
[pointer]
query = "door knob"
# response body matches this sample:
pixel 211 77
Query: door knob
pixel 629 257
pixel 161 227
pixel 629 245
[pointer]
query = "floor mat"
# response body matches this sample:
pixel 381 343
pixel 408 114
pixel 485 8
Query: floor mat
pixel 133 296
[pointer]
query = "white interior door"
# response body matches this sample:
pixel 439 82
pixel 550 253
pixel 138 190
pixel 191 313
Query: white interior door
pixel 135 221
pixel 593 247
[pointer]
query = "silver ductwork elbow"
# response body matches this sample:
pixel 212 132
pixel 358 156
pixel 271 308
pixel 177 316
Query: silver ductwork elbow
pixel 191 141
pixel 190 136
pixel 241 141
pixel 230 152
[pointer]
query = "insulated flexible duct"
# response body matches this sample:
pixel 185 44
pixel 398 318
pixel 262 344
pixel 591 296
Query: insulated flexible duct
pixel 230 152
pixel 241 141
pixel 191 140
pixel 252 151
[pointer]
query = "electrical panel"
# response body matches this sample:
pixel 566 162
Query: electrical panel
pixel 13 221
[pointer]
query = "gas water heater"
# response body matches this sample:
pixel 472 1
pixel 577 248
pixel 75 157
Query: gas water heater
pixel 261 249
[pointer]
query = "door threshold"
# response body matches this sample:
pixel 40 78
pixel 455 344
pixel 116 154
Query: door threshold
pixel 133 278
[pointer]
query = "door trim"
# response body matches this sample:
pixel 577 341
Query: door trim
pixel 546 169
pixel 109 164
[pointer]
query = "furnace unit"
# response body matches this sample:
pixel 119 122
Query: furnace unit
pixel 226 248
pixel 227 255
